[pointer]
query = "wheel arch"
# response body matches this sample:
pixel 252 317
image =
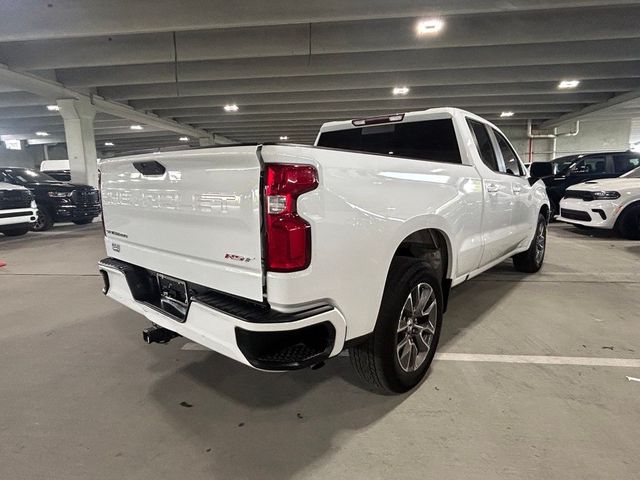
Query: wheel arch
pixel 633 203
pixel 433 246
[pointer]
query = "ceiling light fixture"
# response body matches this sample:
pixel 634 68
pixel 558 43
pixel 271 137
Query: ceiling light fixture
pixel 53 108
pixel 184 139
pixel 136 127
pixel 506 114
pixel 400 90
pixel 566 84
pixel 284 137
pixel 108 144
pixel 429 25
pixel 231 108
pixel 42 134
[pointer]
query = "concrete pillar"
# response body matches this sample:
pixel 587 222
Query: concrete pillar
pixel 78 118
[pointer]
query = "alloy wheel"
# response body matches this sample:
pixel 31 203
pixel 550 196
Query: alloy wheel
pixel 416 327
pixel 541 240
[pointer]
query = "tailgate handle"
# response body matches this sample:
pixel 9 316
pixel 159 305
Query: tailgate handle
pixel 150 168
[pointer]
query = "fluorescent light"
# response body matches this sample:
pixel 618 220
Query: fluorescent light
pixel 53 108
pixel 42 134
pixel 400 90
pixel 506 114
pixel 136 127
pixel 284 137
pixel 231 108
pixel 565 84
pixel 184 139
pixel 108 144
pixel 429 25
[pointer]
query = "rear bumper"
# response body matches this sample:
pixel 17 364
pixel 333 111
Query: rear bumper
pixel 263 339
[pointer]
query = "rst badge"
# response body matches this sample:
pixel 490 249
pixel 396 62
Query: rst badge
pixel 237 258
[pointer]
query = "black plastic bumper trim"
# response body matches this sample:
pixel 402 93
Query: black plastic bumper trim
pixel 289 349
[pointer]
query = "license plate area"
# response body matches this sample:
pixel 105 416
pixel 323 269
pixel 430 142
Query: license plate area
pixel 174 295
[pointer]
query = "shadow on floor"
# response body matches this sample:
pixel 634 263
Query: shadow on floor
pixel 261 425
pixel 267 426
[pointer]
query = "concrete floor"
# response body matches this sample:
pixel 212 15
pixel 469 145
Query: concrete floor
pixel 81 397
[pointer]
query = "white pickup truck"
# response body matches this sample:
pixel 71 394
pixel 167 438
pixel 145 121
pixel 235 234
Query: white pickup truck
pixel 281 256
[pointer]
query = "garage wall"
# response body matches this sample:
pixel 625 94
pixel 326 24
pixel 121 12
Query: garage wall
pixel 30 156
pixel 595 136
pixel 540 148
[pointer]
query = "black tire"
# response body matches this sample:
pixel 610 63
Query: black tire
pixel 84 221
pixel 531 260
pixel 16 232
pixel 628 225
pixel 44 221
pixel 377 361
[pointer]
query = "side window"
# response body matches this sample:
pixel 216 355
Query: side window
pixel 483 144
pixel 595 164
pixel 624 162
pixel 511 163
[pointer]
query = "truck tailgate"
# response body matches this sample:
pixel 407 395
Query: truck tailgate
pixel 194 215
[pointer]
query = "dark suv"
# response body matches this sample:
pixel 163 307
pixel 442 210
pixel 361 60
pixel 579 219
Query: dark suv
pixel 574 169
pixel 57 201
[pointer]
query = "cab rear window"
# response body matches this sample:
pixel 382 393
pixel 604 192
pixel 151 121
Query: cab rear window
pixel 433 140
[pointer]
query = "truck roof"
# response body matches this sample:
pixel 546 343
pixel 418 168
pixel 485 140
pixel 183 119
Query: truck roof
pixel 442 112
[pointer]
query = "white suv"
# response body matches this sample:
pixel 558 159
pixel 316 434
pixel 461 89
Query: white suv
pixel 610 203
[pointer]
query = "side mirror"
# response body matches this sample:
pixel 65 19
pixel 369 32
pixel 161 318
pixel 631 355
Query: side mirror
pixel 541 170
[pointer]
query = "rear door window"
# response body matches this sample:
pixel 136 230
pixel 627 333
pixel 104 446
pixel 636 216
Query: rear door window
pixel 433 140
pixel 509 156
pixel 623 163
pixel 483 144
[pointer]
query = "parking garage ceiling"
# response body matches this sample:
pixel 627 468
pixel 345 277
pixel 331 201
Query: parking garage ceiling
pixel 290 66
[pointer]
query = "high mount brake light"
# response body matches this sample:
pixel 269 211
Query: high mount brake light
pixel 398 117
pixel 288 234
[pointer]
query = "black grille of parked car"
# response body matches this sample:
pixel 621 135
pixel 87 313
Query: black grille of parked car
pixel 575 215
pixel 586 196
pixel 14 199
pixel 85 197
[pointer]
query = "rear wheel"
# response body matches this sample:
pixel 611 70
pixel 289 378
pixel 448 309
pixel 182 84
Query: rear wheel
pixel 16 232
pixel 628 225
pixel 44 221
pixel 530 261
pixel 84 221
pixel 396 357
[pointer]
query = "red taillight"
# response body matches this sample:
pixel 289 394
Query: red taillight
pixel 288 234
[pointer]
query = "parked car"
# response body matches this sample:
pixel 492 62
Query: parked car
pixel 56 201
pixel 609 203
pixel 574 169
pixel 17 210
pixel 58 169
pixel 281 256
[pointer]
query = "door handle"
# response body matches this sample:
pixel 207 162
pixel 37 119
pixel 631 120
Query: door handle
pixel 516 188
pixel 492 188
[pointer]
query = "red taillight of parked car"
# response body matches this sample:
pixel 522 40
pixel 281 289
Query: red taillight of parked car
pixel 288 234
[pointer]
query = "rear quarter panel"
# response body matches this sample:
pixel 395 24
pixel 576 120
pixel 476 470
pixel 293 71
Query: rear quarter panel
pixel 363 209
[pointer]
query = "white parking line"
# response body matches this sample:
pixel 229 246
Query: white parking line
pixel 540 359
pixel 527 359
